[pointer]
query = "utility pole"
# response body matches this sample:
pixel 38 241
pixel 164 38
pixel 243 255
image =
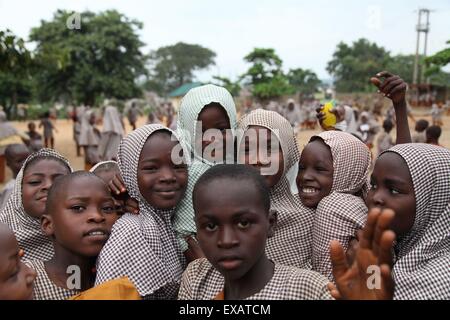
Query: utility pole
pixel 421 28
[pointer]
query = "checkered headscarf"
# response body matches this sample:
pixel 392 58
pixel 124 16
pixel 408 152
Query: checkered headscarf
pixel 291 243
pixel 191 106
pixel 142 247
pixel 422 269
pixel 343 212
pixel 32 240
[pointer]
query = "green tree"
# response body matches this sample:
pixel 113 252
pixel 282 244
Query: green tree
pixel 173 66
pixel 305 81
pixel 441 58
pixel 15 71
pixel 352 66
pixel 403 66
pixel 434 67
pixel 265 74
pixel 100 59
pixel 233 87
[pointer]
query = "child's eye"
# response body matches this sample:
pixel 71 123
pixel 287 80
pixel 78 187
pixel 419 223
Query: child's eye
pixel 77 208
pixel 180 167
pixel 34 182
pixel 150 169
pixel 211 227
pixel 394 191
pixel 14 274
pixel 109 209
pixel 321 169
pixel 244 224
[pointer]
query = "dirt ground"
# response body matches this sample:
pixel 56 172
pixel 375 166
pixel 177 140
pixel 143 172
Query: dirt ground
pixel 65 144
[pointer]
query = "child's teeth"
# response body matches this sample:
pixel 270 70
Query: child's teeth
pixel 96 233
pixel 309 190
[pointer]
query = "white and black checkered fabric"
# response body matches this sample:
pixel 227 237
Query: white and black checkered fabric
pixel 191 106
pixel 202 282
pixel 422 268
pixel 339 215
pixel 142 247
pixel 31 239
pixel 291 242
pixel 44 288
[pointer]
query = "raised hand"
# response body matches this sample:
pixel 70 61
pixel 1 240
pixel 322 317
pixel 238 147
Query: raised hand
pixel 119 192
pixel 338 111
pixel 369 276
pixel 393 87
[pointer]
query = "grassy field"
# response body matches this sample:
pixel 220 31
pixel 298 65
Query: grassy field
pixel 65 144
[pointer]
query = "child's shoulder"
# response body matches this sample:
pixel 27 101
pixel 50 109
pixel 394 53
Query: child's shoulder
pixel 202 279
pixel 302 283
pixel 341 201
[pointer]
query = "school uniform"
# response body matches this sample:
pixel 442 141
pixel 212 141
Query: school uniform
pixel 191 106
pixel 343 212
pixel 291 242
pixel 142 247
pixel 44 287
pixel 422 256
pixel 201 281
pixel 111 135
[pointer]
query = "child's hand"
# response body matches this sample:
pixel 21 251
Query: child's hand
pixel 119 191
pixel 194 251
pixel 393 87
pixel 338 111
pixel 354 282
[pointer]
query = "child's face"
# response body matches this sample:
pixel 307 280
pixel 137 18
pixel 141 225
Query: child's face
pixel 32 127
pixel 37 180
pixel 261 149
pixel 214 117
pixel 16 279
pixel 161 182
pixel 315 173
pixel 232 226
pixel 392 188
pixel 82 217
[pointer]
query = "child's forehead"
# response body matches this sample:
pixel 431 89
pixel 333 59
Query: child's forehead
pixel 45 163
pixel 243 190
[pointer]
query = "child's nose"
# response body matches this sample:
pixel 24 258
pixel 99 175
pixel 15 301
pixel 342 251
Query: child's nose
pixel 96 216
pixel 167 175
pixel 227 238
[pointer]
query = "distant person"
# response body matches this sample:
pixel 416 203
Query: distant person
pixel 89 139
pixel 133 115
pixel 420 136
pixel 48 130
pixel 8 135
pixel 433 134
pixel 112 134
pixel 437 111
pixel 15 155
pixel 35 142
pixel 384 140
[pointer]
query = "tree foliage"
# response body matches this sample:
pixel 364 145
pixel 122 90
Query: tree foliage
pixel 100 59
pixel 173 66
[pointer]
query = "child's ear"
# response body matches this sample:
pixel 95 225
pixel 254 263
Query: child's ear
pixel 47 225
pixel 273 219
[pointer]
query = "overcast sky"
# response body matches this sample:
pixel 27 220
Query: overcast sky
pixel 303 33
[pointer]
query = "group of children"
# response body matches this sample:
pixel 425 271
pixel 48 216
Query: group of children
pixel 226 209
